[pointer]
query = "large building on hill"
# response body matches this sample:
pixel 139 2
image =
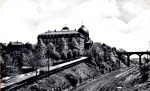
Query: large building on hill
pixel 81 35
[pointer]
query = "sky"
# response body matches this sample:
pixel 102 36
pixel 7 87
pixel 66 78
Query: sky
pixel 118 23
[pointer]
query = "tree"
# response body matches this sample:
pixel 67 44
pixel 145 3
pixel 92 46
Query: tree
pixel 25 59
pixel 70 54
pixel 2 47
pixel 56 55
pixel 29 46
pixel 74 44
pixel 8 62
pixel 64 55
pixel 76 53
pixel 50 52
pixel 146 60
pixel 95 54
pixel 75 48
pixel 62 48
pixel 17 59
pixel 2 67
pixel 122 57
pixel 16 62
pixel 144 70
pixel 41 48
pixel 29 57
pixel 62 45
pixel 40 51
pixel 122 50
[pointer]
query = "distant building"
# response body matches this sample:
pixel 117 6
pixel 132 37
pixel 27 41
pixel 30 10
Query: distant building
pixel 81 35
pixel 15 45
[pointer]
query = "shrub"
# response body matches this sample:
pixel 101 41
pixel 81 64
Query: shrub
pixel 71 79
pixel 144 72
pixel 35 88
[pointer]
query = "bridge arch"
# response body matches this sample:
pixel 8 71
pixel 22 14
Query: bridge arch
pixel 140 54
pixel 134 59
pixel 145 58
pixel 145 54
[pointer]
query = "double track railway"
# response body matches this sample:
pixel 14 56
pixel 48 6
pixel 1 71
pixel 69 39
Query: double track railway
pixel 108 85
pixel 106 81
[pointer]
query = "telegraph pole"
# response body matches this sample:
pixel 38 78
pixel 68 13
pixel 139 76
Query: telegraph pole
pixel 148 50
pixel 149 45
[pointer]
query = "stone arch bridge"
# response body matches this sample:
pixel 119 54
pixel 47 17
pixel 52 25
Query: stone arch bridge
pixel 128 54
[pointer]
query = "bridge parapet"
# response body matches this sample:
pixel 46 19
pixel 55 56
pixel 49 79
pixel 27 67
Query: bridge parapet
pixel 131 53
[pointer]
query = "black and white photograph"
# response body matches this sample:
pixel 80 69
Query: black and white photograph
pixel 74 45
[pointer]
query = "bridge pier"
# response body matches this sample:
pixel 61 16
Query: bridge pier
pixel 128 60
pixel 128 54
pixel 140 60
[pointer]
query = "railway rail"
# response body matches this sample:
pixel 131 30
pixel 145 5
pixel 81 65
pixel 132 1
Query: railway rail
pixel 107 86
pixel 31 79
pixel 99 83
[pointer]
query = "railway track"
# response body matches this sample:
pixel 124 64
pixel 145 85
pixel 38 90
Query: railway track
pixel 103 82
pixel 107 86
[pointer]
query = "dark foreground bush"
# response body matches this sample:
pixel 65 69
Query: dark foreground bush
pixel 71 79
pixel 144 69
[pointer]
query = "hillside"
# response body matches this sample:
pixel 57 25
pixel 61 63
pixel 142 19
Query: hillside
pixel 102 59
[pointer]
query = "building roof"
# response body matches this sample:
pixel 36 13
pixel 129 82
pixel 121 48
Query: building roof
pixel 65 28
pixel 60 32
pixel 83 30
pixel 16 43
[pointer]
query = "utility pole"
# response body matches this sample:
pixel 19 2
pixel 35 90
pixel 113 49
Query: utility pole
pixel 149 45
pixel 149 50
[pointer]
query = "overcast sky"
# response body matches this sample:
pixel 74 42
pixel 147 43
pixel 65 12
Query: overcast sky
pixel 120 23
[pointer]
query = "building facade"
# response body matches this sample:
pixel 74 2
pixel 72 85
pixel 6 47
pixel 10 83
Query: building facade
pixel 81 35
